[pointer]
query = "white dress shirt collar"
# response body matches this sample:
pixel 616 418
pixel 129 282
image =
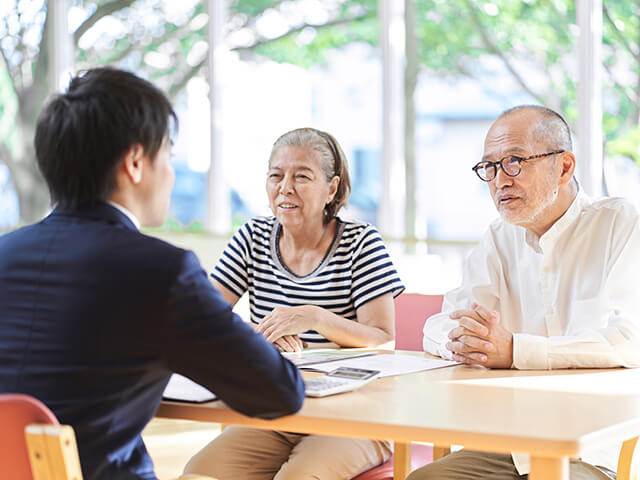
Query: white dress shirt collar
pixel 548 239
pixel 127 212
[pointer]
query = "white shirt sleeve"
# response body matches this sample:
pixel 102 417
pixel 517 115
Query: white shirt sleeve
pixel 479 284
pixel 603 331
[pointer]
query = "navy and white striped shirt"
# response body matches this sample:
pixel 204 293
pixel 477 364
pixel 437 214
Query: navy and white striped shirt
pixel 355 270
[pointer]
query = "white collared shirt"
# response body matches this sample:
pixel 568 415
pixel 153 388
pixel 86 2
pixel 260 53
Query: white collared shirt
pixel 571 298
pixel 127 212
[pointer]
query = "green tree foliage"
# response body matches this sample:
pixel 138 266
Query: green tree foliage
pixel 532 41
pixel 162 40
pixel 166 45
pixel 528 39
pixel 308 38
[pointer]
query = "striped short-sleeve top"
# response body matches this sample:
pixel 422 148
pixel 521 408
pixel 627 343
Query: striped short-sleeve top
pixel 355 270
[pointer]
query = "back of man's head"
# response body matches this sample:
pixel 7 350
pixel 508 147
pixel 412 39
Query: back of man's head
pixel 85 132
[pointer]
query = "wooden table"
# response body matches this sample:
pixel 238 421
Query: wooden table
pixel 552 415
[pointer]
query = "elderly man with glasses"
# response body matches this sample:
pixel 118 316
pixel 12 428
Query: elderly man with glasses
pixel 553 283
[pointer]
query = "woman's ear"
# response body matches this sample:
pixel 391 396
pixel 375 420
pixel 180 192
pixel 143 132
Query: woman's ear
pixel 333 188
pixel 133 164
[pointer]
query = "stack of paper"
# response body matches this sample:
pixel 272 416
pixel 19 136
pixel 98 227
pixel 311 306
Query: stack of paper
pixel 388 363
pixel 183 389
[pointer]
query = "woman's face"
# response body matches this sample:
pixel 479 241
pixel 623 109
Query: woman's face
pixel 297 186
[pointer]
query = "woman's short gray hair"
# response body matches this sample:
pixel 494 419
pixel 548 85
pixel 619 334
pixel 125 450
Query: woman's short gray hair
pixel 334 161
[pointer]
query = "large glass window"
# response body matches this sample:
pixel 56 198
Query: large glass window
pixel 295 64
pixel 479 58
pixel 621 72
pixel 279 65
pixel 22 194
pixel 165 42
pixel 282 65
pixel 161 40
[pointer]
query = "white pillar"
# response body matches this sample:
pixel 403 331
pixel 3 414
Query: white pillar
pixel 60 45
pixel 392 33
pixel 590 137
pixel 218 193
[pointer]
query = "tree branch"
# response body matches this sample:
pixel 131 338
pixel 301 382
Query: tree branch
pixel 5 157
pixel 560 28
pixel 333 23
pixel 102 11
pixel 5 62
pixel 120 55
pixel 15 169
pixel 629 93
pixel 627 46
pixel 631 96
pixel 167 35
pixel 41 69
pixel 259 12
pixel 496 51
pixel 193 71
pixel 462 68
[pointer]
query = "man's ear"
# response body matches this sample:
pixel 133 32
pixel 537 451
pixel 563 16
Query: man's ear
pixel 133 164
pixel 568 164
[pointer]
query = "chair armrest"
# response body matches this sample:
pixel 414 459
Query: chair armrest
pixel 626 468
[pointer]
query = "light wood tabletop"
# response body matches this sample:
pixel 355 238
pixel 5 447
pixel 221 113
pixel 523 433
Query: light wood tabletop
pixel 552 415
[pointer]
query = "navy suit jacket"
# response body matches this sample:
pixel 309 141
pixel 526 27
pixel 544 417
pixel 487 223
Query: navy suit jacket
pixel 94 317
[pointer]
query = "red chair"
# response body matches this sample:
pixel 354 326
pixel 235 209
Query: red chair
pixel 412 309
pixel 34 446
pixel 16 412
pixel 420 456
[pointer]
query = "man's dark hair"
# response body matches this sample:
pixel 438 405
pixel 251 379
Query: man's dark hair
pixel 83 133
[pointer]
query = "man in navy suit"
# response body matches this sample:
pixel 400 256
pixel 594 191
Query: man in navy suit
pixel 94 315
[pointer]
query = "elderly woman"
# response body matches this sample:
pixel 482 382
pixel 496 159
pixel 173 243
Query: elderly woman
pixel 313 280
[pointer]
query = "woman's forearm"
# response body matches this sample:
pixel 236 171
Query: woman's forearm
pixel 349 333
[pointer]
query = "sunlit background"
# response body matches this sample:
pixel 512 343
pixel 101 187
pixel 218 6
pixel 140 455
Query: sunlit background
pixel 409 89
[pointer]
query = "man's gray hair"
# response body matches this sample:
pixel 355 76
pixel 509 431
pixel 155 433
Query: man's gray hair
pixel 551 128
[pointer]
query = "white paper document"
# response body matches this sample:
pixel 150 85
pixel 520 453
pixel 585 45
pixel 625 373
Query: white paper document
pixel 313 356
pixel 184 389
pixel 389 364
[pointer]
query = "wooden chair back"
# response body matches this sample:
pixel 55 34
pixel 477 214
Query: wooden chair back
pixel 53 452
pixel 16 412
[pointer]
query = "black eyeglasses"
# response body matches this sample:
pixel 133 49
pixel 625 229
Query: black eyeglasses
pixel 511 165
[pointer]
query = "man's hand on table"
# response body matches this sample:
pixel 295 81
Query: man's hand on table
pixel 479 339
